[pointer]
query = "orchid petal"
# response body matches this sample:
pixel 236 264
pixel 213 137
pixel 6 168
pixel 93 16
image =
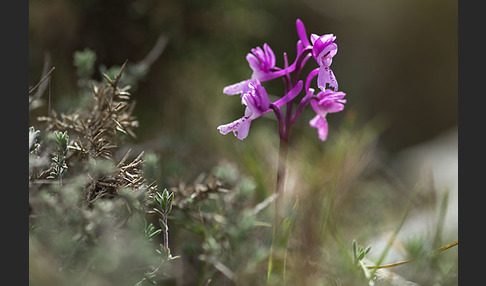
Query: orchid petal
pixel 320 42
pixel 333 102
pixel 258 52
pixel 333 107
pixel 253 109
pixel 253 62
pixel 326 54
pixel 262 62
pixel 302 33
pixel 318 109
pixel 328 102
pixel 269 56
pixel 239 127
pixel 326 76
pixel 264 101
pixel 320 123
pixel 237 88
pixel 324 49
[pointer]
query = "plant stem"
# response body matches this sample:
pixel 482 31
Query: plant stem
pixel 442 248
pixel 281 228
pixel 166 236
pixel 281 177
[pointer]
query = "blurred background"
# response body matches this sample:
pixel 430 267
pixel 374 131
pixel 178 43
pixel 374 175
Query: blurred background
pixel 396 62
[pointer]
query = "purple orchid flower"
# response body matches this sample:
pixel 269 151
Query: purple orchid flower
pixel 255 97
pixel 323 50
pixel 262 62
pixel 325 102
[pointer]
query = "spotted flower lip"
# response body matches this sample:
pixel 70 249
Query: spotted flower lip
pixel 325 102
pixel 326 76
pixel 255 97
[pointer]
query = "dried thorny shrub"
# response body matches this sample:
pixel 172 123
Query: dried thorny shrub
pixel 94 134
pixel 110 112
pixel 81 197
pixel 92 212
pixel 199 190
pixel 126 175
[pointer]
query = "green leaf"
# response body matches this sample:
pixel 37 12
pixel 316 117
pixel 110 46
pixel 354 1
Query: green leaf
pixel 355 248
pixel 367 250
pixel 158 199
pixel 155 233
pixel 361 255
pixel 158 212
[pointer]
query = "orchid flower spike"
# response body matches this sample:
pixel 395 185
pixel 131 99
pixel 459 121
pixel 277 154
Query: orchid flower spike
pixel 325 102
pixel 255 97
pixel 262 62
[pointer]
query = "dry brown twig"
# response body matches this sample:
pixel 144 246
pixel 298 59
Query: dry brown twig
pixel 126 175
pixel 97 125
